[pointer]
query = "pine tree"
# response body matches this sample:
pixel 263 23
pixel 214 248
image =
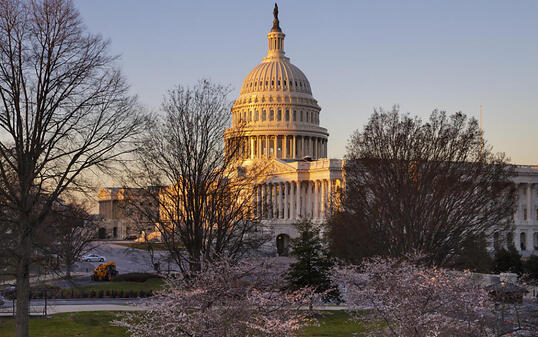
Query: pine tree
pixel 314 263
pixel 507 260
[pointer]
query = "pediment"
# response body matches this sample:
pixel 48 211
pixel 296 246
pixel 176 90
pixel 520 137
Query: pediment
pixel 279 167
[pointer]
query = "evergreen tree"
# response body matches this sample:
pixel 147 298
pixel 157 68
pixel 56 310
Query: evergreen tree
pixel 531 268
pixel 473 255
pixel 507 260
pixel 314 263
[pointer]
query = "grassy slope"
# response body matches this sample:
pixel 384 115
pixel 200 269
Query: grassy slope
pixel 97 324
pixel 80 324
pixel 150 284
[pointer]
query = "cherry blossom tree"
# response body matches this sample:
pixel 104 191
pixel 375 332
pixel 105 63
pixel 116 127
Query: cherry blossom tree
pixel 226 299
pixel 413 300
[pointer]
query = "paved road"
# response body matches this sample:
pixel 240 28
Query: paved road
pixel 128 260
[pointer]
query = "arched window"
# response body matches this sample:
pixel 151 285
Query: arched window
pixel 523 241
pixel 287 115
pixel 279 115
pixel 301 117
pixel 250 116
pixel 271 115
pixel 263 115
pixel 256 116
pixel 294 115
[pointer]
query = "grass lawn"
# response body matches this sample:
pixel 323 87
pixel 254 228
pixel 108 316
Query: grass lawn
pixel 80 324
pixel 336 324
pixel 97 324
pixel 150 284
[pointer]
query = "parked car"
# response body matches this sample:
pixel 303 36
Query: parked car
pixel 93 258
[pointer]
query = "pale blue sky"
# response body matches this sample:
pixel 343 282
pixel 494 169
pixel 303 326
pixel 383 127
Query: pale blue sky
pixel 451 55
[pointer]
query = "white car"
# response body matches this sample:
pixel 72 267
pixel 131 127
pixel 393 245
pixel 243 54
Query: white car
pixel 93 258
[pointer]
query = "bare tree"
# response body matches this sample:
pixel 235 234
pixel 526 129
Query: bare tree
pixel 73 231
pixel 203 192
pixel 64 109
pixel 424 186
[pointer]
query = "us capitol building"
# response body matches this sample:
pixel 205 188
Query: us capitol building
pixel 281 120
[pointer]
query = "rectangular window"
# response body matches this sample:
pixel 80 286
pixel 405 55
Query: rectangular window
pixel 524 214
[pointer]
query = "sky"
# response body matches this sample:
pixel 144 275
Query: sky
pixel 358 55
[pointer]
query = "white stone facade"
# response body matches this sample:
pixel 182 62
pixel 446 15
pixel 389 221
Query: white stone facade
pixel 525 234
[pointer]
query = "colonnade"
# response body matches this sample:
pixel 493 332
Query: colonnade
pixel 528 213
pixel 293 200
pixel 285 147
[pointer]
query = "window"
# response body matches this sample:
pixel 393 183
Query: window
pixel 256 116
pixel 271 115
pixel 524 214
pixel 535 241
pixel 295 118
pixel 523 241
pixel 287 115
pixel 273 82
pixel 250 116
pixel 278 83
pixel 279 115
pixel 301 117
pixel 537 214
pixel 263 115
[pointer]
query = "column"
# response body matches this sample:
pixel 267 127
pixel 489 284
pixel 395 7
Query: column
pixel 267 146
pixel 316 200
pixel 323 198
pixel 308 206
pixel 279 200
pixel 286 201
pixel 530 205
pixel 294 147
pixel 330 194
pixel 275 200
pixel 275 144
pixel 284 147
pixel 516 214
pixel 302 147
pixel 298 200
pixel 252 148
pixel 265 201
pixel 292 200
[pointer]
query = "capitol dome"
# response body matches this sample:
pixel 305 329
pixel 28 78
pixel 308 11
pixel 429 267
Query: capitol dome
pixel 276 108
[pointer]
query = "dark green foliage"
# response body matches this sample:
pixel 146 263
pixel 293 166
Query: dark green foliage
pixel 507 260
pixel 473 256
pixel 531 268
pixel 314 263
pixel 136 277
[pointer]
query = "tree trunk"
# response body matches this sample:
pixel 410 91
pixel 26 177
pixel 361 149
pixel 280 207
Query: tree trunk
pixel 23 288
pixel 68 267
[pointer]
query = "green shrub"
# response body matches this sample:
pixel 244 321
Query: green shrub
pixel 136 277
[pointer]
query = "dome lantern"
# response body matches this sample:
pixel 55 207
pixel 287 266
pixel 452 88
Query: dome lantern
pixel 276 39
